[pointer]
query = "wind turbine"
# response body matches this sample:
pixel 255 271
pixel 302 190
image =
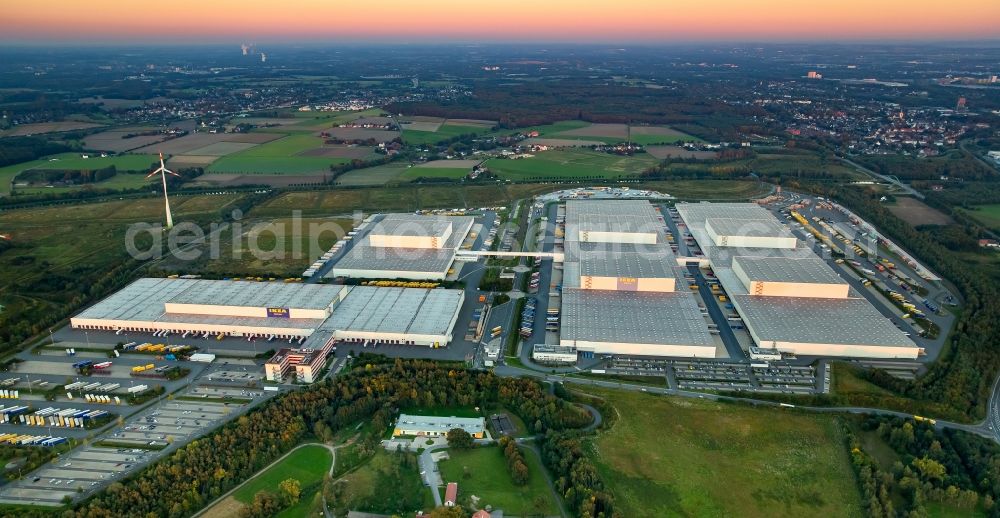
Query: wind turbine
pixel 166 201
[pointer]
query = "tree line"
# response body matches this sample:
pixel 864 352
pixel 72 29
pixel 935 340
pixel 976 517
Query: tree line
pixel 962 377
pixel 955 469
pixel 516 465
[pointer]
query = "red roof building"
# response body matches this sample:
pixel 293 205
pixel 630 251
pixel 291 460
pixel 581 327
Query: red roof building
pixel 450 494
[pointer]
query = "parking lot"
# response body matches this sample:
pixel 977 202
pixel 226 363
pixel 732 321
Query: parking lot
pixel 142 438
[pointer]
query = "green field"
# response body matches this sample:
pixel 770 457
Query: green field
pixel 988 215
pixel 73 161
pixel 327 119
pixel 571 163
pixel 489 480
pixel 278 157
pixel 805 164
pixel 547 130
pixel 378 175
pixel 451 173
pixel 681 457
pixel 388 483
pixel 307 464
pixel 557 131
pixel 119 181
pixel 274 165
pixel 646 140
pixel 445 132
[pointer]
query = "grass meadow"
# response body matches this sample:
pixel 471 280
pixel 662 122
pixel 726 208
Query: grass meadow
pixel 562 164
pixel 483 472
pixel 681 457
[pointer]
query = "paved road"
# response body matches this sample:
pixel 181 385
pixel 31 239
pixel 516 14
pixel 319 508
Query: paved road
pixel 430 473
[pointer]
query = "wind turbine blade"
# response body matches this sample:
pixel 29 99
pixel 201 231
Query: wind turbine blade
pixel 171 172
pixel 150 175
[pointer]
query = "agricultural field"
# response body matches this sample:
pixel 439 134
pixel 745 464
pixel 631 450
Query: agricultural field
pixel 988 215
pixel 444 131
pixel 451 169
pixel 563 133
pixel 660 135
pixel 46 127
pixel 916 212
pixel 192 141
pixel 359 152
pixel 120 181
pixel 115 142
pixel 316 121
pixel 221 149
pixel 483 472
pixel 74 161
pixel 281 156
pixel 663 152
pixel 377 175
pixel 561 142
pixel 681 457
pixel 362 134
pixel 564 164
pixel 806 165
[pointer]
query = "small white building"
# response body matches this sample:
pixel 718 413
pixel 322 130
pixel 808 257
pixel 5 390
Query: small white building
pixel 438 426
pixel 553 354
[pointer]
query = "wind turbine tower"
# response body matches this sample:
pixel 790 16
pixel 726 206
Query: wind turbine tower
pixel 162 171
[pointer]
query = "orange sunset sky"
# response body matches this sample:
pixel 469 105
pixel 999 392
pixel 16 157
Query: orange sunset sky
pixel 505 20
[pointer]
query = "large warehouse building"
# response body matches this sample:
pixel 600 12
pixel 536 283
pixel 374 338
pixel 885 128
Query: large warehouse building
pixel 405 246
pixel 788 298
pixel 240 308
pixel 619 285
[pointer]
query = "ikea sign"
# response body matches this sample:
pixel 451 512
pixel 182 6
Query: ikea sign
pixel 277 312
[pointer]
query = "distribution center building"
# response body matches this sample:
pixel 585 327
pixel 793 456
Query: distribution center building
pixel 414 316
pixel 404 246
pixel 619 286
pixel 788 298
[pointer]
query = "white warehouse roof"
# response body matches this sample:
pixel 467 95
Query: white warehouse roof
pixel 763 227
pixel 362 257
pixel 785 269
pixel 850 321
pixel 633 317
pixel 413 225
pixel 695 214
pixel 259 294
pixel 414 311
